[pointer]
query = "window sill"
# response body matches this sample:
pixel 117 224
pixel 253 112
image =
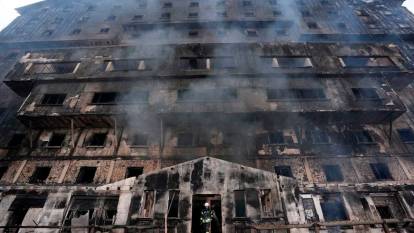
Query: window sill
pixel 241 219
pixel 95 146
pixel 138 147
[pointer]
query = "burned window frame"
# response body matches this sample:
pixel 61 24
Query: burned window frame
pixel 194 140
pixel 126 65
pixel 240 213
pixel 355 64
pixel 296 94
pixel 100 205
pixel 143 137
pixel 143 206
pixel 174 204
pixel 406 135
pixel 90 142
pixel 53 99
pixel 309 208
pixel 334 199
pixel 381 171
pixel 21 204
pixel 365 94
pixel 333 172
pixel 16 140
pixel 284 170
pixel 135 169
pixel 267 207
pixel 3 170
pixel 52 68
pixel 38 175
pixel 207 63
pixel 84 169
pixel 360 134
pixel 207 95
pixel 53 136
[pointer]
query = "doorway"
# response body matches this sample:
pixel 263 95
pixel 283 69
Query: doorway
pixel 214 202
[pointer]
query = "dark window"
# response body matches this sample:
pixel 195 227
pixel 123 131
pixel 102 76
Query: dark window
pixel 47 33
pixel 194 4
pixel 139 140
pixel 320 137
pixel 185 139
pixel 276 94
pixel 312 25
pixel 249 14
pixel 97 139
pixel 134 172
pixel 137 17
pixel 365 93
pixel 384 212
pixel 3 171
pixel 273 2
pixel 105 98
pixel 53 99
pixel 284 171
pixel 406 135
pixel 266 202
pixel 53 68
pixel 333 173
pixel 173 203
pixel 166 16
pixel 104 30
pixel 40 175
pixel 363 137
pixel 16 140
pixel 222 14
pixel 76 31
pixel 341 26
pixel 193 15
pixel 167 5
pixel 111 18
pixel 276 13
pixel 130 65
pixel 193 33
pixel 56 140
pixel 247 3
pixel 240 203
pixel 360 62
pixel 19 208
pixel 333 208
pixel 135 96
pixel 306 14
pixel 86 175
pixel 206 95
pixel 251 32
pixel 276 138
pixel 222 62
pixel 381 171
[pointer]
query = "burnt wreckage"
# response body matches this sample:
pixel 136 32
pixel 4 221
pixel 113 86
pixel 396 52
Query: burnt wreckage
pixel 221 116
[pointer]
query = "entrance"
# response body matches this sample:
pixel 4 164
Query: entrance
pixel 213 209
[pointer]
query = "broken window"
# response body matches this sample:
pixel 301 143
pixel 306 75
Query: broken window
pixel 333 208
pixel 312 25
pixel 185 139
pixel 266 203
pixel 286 94
pixel 40 175
pixel 363 137
pixel 147 209
pixel 53 68
pixel 193 33
pixel 56 140
pixel 20 206
pixel 128 65
pixel 139 139
pixel 53 99
pixel 251 32
pixel 194 4
pixel 97 139
pixel 132 97
pixel 76 31
pixel 406 135
pixel 166 16
pixel 193 15
pixel 104 30
pixel 211 95
pixel 137 17
pixel 365 93
pixel 290 62
pixel 361 62
pixel 173 203
pixel 105 98
pixel 381 171
pixel 47 33
pixel 195 63
pixel 333 173
pixel 276 138
pixel 167 5
pixel 309 208
pixel 86 175
pixel 91 210
pixel 320 137
pixel 384 212
pixel 16 140
pixel 134 172
pixel 111 18
pixel 284 171
pixel 3 170
pixel 240 203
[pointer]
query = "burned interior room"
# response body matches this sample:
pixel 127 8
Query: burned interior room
pixel 213 116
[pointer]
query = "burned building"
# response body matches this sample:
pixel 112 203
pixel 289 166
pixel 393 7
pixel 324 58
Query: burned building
pixel 281 115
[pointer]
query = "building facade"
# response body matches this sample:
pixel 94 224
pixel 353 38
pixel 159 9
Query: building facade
pixel 283 115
